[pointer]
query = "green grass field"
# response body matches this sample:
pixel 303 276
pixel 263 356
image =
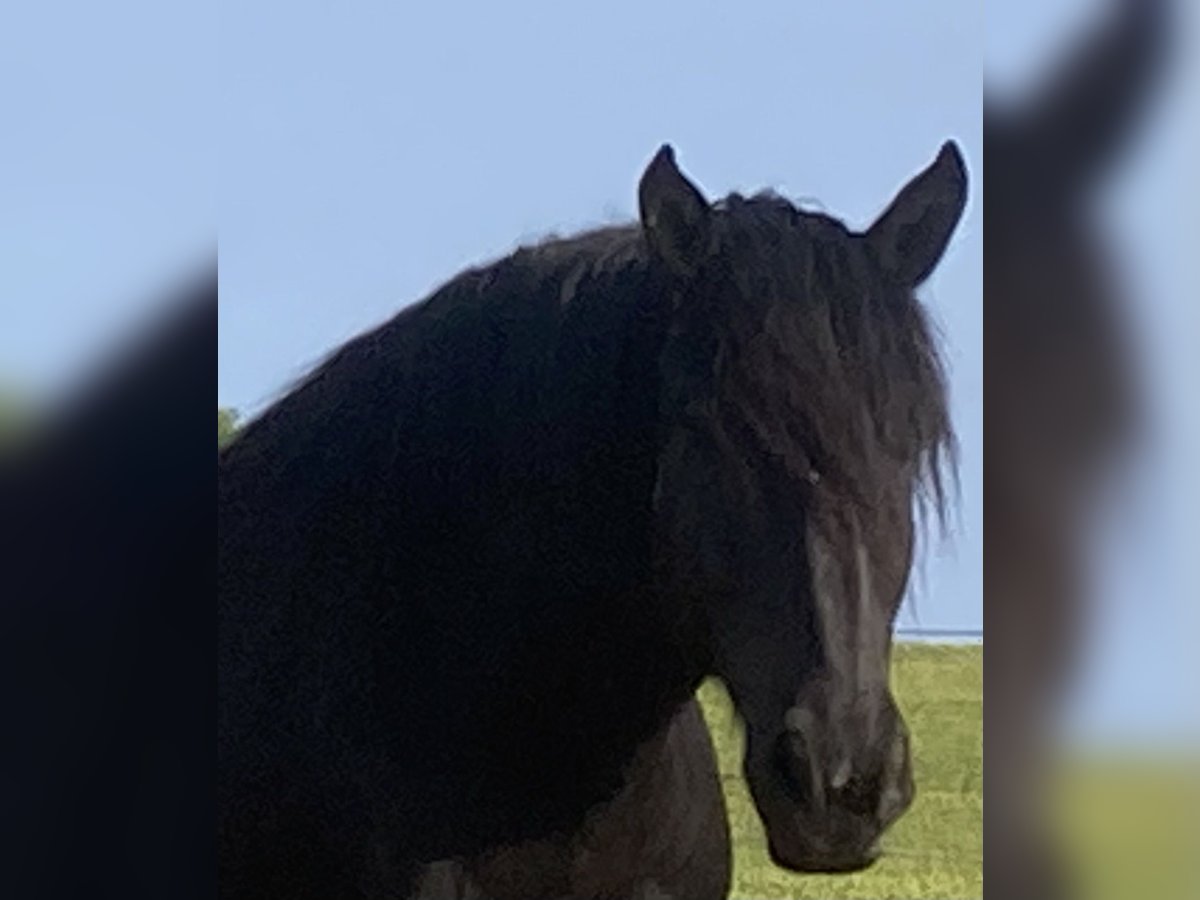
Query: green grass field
pixel 936 849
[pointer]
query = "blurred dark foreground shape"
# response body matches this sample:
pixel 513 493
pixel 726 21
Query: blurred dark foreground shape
pixel 106 625
pixel 1061 404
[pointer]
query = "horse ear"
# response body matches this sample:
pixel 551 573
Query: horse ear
pixel 911 235
pixel 674 214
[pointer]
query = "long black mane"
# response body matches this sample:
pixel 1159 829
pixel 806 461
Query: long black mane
pixel 854 365
pixel 442 493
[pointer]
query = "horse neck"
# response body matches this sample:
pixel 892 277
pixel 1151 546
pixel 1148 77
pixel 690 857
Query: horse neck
pixel 605 658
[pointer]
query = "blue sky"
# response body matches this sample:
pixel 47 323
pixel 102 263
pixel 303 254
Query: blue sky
pixel 373 150
pixel 369 151
pixel 107 184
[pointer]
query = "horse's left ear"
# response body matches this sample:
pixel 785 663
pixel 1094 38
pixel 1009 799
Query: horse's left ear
pixel 674 214
pixel 911 235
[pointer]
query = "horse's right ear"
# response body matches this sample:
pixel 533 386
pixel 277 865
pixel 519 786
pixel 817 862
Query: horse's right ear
pixel 675 215
pixel 911 235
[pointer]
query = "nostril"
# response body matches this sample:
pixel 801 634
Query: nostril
pixel 859 795
pixel 898 794
pixel 789 769
pixel 893 803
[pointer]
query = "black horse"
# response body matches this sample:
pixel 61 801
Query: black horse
pixel 473 569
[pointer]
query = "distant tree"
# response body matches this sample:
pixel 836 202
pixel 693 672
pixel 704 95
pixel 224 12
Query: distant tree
pixel 227 425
